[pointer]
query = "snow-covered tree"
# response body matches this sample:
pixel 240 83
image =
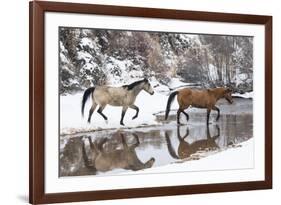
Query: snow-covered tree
pixel 90 57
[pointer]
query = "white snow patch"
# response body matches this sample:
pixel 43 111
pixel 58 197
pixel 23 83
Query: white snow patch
pixel 245 95
pixel 177 83
pixel 84 55
pixel 88 42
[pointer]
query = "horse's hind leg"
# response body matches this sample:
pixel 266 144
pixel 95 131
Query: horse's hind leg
pixel 178 116
pixel 186 115
pixel 124 109
pixel 180 110
pixel 218 110
pixel 91 111
pixel 137 111
pixel 100 111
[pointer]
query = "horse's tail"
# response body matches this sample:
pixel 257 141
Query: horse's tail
pixel 170 100
pixel 86 95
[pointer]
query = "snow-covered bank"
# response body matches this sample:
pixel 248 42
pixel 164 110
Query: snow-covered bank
pixel 245 95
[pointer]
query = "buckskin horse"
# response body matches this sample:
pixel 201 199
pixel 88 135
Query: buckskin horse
pixel 124 96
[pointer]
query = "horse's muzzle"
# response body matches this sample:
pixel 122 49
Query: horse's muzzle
pixel 152 93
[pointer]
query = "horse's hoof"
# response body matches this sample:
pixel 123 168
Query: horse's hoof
pixel 122 123
pixel 134 117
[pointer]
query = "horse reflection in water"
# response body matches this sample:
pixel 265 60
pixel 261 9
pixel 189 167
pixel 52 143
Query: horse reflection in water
pixel 104 160
pixel 101 155
pixel 186 150
pixel 72 161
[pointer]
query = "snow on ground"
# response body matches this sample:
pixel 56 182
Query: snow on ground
pixel 177 83
pixel 245 95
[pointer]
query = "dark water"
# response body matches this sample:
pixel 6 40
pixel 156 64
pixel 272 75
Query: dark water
pixel 112 152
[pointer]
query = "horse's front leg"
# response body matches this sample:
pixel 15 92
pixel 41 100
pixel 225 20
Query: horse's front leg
pixel 218 110
pixel 137 111
pixel 208 116
pixel 124 109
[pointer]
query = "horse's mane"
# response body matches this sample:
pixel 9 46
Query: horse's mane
pixel 134 84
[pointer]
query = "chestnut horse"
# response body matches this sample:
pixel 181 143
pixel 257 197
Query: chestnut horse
pixel 198 98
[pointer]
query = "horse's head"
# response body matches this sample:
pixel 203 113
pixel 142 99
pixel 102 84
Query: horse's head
pixel 227 95
pixel 147 87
